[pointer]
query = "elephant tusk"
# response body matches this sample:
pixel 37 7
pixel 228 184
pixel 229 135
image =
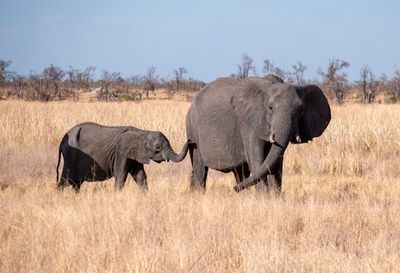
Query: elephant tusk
pixel 272 138
pixel 298 139
pixel 165 157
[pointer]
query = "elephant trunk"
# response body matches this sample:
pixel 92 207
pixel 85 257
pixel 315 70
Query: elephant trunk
pixel 171 155
pixel 269 163
pixel 279 140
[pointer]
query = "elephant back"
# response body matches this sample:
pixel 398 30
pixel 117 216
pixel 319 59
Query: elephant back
pixel 96 141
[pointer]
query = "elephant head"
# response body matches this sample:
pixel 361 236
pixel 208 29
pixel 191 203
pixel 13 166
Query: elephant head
pixel 279 114
pixel 146 146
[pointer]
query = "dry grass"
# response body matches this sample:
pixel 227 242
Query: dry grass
pixel 338 211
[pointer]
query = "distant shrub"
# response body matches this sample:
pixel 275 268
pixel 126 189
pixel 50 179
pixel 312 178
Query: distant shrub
pixel 391 99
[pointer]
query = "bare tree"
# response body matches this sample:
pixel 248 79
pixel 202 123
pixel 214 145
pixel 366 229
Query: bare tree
pixel 85 78
pixel 364 82
pixel 19 84
pixel 179 77
pixel 150 80
pixel 136 80
pixel 107 92
pixel 72 81
pixel 383 78
pixel 52 78
pixel 270 68
pixel 335 80
pixel 169 85
pixel 78 80
pixel 124 90
pixel 298 72
pixel 280 73
pixel 245 67
pixel 35 88
pixel 194 85
pixel 4 73
pixel 368 84
pixel 394 85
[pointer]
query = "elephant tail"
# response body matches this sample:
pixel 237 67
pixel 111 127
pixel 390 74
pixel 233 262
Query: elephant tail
pixel 65 139
pixel 58 164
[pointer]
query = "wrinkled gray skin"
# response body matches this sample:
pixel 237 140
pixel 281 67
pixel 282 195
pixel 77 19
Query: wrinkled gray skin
pixel 93 152
pixel 244 127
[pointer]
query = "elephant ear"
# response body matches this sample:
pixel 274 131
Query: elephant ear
pixel 317 112
pixel 248 104
pixel 134 146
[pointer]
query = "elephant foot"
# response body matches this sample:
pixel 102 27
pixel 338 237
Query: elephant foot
pixel 262 187
pixel 237 188
pixel 197 187
pixel 269 187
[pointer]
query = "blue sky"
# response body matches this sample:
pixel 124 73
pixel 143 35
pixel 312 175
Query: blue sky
pixel 206 37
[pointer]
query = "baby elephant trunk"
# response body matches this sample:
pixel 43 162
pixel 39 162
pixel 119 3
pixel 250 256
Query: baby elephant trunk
pixel 171 155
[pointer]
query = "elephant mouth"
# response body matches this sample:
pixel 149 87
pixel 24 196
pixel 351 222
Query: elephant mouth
pixel 158 161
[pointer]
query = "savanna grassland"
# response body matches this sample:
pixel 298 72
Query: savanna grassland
pixel 339 210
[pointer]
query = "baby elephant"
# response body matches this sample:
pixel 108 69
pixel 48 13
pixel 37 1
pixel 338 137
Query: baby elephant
pixel 93 152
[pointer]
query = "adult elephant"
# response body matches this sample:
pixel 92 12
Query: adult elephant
pixel 244 127
pixel 93 152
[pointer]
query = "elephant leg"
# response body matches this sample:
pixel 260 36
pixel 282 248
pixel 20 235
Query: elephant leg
pixel 120 171
pixel 72 173
pixel 69 177
pixel 139 175
pixel 256 154
pixel 199 172
pixel 76 185
pixel 241 173
pixel 63 182
pixel 274 181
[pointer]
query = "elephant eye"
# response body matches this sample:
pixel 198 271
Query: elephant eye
pixel 158 148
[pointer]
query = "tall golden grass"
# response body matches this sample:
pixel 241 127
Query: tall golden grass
pixel 339 210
